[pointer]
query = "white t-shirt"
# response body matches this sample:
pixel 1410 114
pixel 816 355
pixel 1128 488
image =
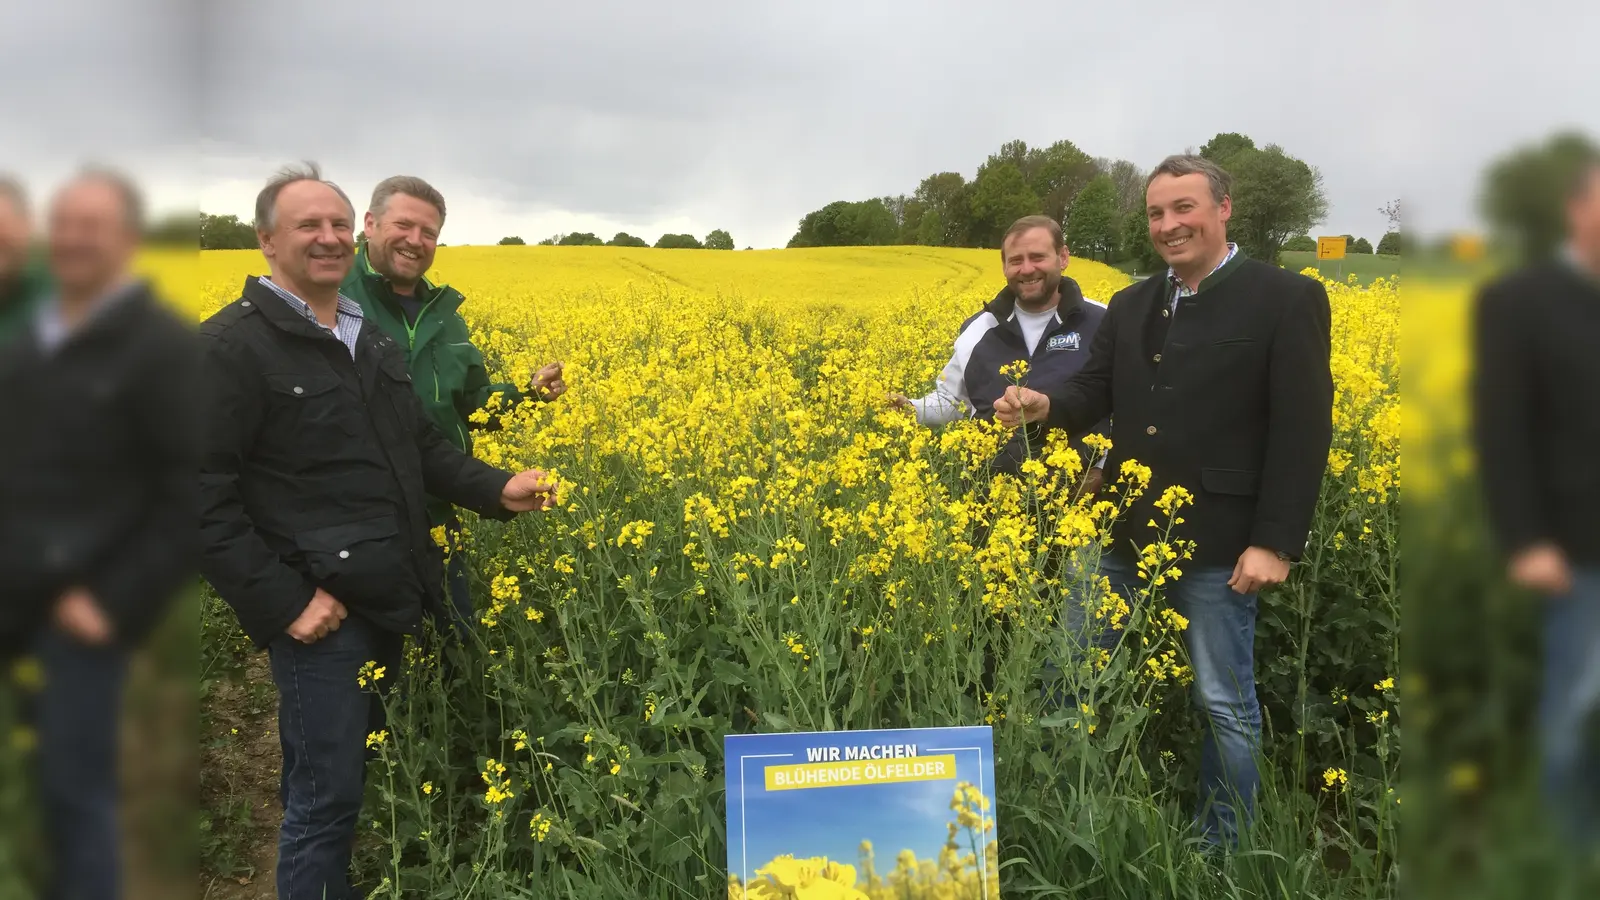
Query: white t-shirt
pixel 1034 325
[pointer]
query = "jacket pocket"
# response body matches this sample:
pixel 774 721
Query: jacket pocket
pixel 1238 482
pixel 1235 342
pixel 308 406
pixel 363 562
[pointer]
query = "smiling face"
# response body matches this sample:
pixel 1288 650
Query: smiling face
pixel 312 239
pixel 92 242
pixel 402 238
pixel 1033 268
pixel 1188 227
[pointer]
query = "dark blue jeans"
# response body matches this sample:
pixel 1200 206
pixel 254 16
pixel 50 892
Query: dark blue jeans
pixel 1220 641
pixel 78 713
pixel 1570 706
pixel 324 717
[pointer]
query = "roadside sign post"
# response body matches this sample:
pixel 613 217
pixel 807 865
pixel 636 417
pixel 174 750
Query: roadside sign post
pixel 1331 248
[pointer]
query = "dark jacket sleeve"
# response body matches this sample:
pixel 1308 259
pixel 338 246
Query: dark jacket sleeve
pixel 1085 399
pixel 1299 423
pixel 266 594
pixel 453 476
pixel 137 582
pixel 1502 420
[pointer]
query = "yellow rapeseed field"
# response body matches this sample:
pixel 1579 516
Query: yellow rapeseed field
pixel 749 539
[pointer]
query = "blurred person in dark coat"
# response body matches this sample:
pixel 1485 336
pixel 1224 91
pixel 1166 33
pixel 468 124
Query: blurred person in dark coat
pixel 98 505
pixel 21 278
pixel 1536 411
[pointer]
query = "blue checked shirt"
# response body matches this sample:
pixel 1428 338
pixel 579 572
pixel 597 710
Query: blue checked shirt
pixel 1181 290
pixel 347 323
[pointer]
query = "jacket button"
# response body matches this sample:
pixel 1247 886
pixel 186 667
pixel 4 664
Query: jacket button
pixel 1150 430
pixel 299 390
pixel 245 303
pixel 1165 313
pixel 1157 357
pixel 344 554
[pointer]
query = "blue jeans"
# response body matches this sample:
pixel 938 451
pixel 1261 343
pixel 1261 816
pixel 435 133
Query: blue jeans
pixel 324 717
pixel 1570 706
pixel 78 713
pixel 1220 641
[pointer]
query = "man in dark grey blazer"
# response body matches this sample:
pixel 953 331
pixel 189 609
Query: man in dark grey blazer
pixel 1217 376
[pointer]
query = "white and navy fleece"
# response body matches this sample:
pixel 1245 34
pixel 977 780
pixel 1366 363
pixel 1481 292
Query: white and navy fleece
pixel 993 339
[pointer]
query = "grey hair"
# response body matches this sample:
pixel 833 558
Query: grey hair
pixel 12 191
pixel 411 186
pixel 267 200
pixel 1181 164
pixel 133 207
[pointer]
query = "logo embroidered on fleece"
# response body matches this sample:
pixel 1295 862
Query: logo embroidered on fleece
pixel 1067 341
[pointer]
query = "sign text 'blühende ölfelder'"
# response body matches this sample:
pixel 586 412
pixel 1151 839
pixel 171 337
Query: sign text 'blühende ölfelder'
pixel 886 764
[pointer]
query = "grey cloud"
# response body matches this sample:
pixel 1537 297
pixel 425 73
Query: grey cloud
pixel 747 115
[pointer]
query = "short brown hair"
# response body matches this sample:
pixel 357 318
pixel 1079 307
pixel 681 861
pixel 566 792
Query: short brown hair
pixel 267 200
pixel 411 186
pixel 1181 164
pixel 1029 223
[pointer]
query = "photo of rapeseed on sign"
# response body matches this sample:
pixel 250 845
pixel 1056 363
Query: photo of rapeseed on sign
pixel 808 813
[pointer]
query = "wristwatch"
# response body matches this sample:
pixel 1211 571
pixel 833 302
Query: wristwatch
pixel 1285 557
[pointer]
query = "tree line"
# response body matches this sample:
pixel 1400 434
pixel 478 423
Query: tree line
pixel 228 233
pixel 718 239
pixel 1099 202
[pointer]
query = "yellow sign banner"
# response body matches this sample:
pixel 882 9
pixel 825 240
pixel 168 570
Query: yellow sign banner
pixel 860 772
pixel 1330 248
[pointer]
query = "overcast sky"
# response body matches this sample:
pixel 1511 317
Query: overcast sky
pixel 536 117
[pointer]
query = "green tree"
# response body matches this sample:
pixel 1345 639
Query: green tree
pixel 719 240
pixel 1360 245
pixel 1389 245
pixel 226 233
pixel 911 216
pixel 512 241
pixel 946 197
pixel 624 239
pixel 1092 224
pixel 1225 146
pixel 1300 243
pixel 1129 179
pixel 843 223
pixel 1275 196
pixel 579 239
pixel 679 242
pixel 1136 246
pixel 550 241
pixel 1524 192
pixel 1000 196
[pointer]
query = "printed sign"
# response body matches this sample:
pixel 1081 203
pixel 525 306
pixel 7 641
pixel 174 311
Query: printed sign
pixel 1330 248
pixel 856 814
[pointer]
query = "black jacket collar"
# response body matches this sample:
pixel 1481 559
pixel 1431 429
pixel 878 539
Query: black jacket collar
pixel 1004 303
pixel 280 313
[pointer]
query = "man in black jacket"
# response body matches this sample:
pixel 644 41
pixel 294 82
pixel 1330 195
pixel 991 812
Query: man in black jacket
pixel 97 506
pixel 1218 376
pixel 318 461
pixel 1536 411
pixel 1040 318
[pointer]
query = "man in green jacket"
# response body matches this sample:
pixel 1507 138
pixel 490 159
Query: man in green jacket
pixel 402 230
pixel 22 278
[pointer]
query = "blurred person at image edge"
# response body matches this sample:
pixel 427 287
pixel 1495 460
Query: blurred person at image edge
pixel 1536 426
pixel 98 506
